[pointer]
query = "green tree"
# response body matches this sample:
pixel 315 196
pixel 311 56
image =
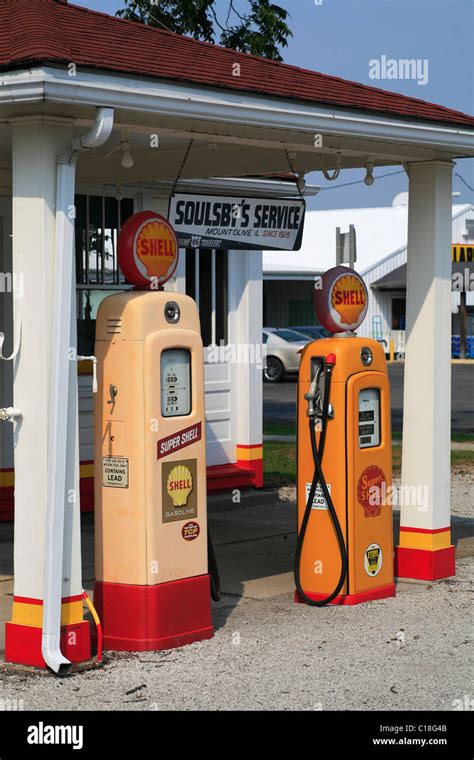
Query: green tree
pixel 259 28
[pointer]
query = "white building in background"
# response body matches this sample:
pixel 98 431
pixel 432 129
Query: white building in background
pixel 381 258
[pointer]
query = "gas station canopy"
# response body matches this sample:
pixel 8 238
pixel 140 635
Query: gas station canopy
pixel 60 59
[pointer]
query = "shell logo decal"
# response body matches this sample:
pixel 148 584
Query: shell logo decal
pixel 348 298
pixel 371 490
pixel 148 250
pixel 155 248
pixel 341 299
pixel 179 485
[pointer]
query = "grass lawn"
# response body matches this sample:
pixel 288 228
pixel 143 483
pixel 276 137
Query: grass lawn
pixel 279 457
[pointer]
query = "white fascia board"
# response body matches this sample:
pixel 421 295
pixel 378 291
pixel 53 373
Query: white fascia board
pixel 190 101
pixel 233 186
pixel 248 186
pixel 290 275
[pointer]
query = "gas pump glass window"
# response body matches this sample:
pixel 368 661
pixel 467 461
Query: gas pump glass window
pixel 175 382
pixel 369 418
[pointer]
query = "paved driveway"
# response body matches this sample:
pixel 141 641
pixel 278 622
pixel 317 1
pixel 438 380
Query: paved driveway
pixel 279 401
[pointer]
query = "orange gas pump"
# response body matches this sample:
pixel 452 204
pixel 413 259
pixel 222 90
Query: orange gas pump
pixel 344 551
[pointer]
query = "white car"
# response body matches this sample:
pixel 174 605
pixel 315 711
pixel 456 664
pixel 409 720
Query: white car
pixel 282 345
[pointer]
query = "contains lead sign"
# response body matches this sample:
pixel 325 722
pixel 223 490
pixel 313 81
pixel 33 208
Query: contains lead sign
pixel 115 472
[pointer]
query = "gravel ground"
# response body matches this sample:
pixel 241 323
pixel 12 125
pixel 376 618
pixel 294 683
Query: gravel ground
pixel 406 653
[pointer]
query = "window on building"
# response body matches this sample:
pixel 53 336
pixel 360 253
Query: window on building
pixel 398 313
pixel 98 222
pixel 206 282
pixel 301 312
pixel 469 234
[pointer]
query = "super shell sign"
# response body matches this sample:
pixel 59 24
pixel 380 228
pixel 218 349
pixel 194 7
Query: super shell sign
pixel 341 299
pixel 147 250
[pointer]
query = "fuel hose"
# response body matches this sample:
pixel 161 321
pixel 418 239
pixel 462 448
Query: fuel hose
pixel 318 477
pixel 213 570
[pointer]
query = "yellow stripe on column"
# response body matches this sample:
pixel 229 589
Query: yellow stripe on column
pixel 87 470
pixel 7 478
pixel 249 453
pixel 411 539
pixel 32 614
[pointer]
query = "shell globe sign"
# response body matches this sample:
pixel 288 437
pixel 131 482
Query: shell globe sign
pixel 341 300
pixel 148 250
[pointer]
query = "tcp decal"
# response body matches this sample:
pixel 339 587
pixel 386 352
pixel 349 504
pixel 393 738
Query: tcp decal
pixel 190 531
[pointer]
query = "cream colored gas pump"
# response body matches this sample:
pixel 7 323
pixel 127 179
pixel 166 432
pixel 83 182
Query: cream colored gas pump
pixel 152 586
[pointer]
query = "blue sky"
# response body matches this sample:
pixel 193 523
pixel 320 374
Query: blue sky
pixel 340 37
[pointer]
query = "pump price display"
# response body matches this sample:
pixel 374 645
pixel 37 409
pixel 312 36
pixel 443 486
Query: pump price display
pixel 175 382
pixel 369 418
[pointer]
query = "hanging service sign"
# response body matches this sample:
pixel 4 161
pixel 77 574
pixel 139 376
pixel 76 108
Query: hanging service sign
pixel 147 250
pixel 216 221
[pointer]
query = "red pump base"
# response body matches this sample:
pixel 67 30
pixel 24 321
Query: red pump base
pixel 165 616
pixel 382 592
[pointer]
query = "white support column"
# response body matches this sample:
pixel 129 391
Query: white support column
pixel 245 327
pixel 425 549
pixel 36 144
pixel 6 367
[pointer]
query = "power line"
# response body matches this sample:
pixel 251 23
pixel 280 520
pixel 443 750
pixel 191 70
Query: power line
pixel 147 10
pixel 464 181
pixel 382 176
pixel 360 181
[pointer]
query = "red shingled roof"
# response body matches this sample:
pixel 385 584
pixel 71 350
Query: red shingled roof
pixel 40 31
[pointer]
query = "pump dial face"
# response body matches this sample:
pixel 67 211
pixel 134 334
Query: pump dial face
pixel 175 382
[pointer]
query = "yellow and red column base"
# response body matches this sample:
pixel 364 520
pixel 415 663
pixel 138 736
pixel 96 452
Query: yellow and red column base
pixel 426 555
pixel 250 457
pixel 148 618
pixel 24 632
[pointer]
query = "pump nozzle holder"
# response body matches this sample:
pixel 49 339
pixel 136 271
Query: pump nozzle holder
pixel 331 359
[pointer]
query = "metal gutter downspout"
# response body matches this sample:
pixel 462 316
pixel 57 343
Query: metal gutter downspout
pixel 62 434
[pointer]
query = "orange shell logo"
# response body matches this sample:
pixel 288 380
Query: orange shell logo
pixel 348 298
pixel 155 248
pixel 371 490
